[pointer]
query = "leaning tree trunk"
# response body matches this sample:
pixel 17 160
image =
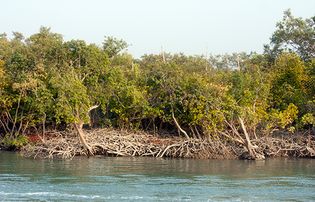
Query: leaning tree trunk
pixel 78 126
pixel 251 153
pixel 178 126
pixel 251 149
pixel 248 144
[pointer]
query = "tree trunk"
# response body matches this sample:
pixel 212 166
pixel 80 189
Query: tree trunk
pixel 78 127
pixel 251 149
pixel 178 126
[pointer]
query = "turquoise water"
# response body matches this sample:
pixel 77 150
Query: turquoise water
pixel 149 179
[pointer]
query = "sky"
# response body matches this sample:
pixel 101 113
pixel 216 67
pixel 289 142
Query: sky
pixel 194 27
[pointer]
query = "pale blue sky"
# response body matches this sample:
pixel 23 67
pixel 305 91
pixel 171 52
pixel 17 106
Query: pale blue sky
pixel 189 26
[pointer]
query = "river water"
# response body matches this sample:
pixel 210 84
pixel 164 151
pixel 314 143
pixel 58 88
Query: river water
pixel 150 179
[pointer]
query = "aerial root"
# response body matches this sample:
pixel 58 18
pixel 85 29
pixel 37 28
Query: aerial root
pixel 110 142
pixel 124 143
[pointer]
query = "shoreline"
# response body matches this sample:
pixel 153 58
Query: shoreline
pixel 113 142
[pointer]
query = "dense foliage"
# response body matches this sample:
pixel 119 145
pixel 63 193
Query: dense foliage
pixel 48 82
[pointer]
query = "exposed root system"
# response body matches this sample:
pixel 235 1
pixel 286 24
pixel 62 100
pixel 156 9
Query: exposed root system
pixel 287 146
pixel 111 142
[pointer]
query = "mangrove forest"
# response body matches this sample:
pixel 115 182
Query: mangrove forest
pixel 63 98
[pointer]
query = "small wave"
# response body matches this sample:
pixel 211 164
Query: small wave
pixel 131 197
pixel 50 194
